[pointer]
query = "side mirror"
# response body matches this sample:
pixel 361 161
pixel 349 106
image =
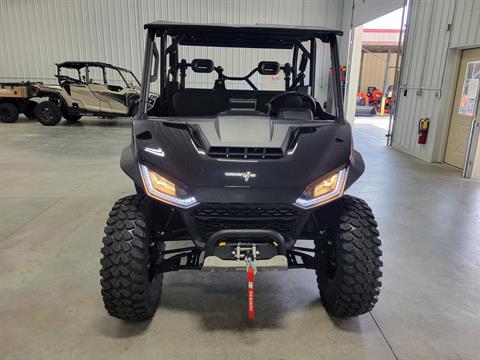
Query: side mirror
pixel 202 65
pixel 268 68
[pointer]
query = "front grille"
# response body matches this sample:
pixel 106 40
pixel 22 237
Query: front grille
pixel 245 152
pixel 209 218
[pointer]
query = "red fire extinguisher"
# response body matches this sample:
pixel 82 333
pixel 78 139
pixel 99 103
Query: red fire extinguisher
pixel 423 126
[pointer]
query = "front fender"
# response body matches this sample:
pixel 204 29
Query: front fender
pixel 129 165
pixel 356 168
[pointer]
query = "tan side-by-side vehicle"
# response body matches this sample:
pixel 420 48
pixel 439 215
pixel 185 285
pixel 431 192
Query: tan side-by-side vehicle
pixel 88 88
pixel 15 98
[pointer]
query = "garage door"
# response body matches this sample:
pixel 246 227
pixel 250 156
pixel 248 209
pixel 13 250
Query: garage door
pixel 466 96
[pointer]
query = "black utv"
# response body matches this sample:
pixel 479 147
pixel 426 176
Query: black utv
pixel 250 169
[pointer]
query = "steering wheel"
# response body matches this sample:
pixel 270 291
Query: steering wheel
pixel 305 97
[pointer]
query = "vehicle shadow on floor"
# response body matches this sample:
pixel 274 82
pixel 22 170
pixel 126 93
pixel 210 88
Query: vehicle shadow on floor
pixel 351 325
pixel 98 122
pixel 87 122
pixel 118 329
pixel 219 300
pixel 24 120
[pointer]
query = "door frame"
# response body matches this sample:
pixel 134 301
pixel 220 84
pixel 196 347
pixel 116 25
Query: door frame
pixel 451 77
pixel 452 67
pixel 472 142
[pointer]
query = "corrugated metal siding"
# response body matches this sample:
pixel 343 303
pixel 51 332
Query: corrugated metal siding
pixel 424 70
pixel 38 34
pixel 35 34
pixel 466 29
pixel 422 74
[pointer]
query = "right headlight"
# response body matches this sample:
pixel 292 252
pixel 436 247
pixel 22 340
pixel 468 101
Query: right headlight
pixel 324 190
pixel 162 189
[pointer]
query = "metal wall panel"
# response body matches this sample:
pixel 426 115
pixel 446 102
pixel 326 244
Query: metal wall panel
pixel 35 34
pixel 422 82
pixel 466 29
pixel 436 28
pixel 38 34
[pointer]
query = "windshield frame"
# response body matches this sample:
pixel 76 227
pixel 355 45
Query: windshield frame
pixel 120 71
pixel 157 61
pixel 86 67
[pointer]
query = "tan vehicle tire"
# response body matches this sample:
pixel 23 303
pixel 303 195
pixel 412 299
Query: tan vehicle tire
pixel 8 112
pixel 29 109
pixel 48 113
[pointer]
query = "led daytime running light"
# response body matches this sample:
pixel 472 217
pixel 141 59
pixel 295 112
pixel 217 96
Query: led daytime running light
pixel 308 200
pixel 183 202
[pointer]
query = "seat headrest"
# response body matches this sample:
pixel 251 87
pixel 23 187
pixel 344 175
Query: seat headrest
pixel 268 68
pixel 202 65
pixel 292 102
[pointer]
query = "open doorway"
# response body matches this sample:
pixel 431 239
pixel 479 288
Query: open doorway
pixel 378 47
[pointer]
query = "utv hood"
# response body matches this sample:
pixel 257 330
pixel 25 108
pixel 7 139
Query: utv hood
pixel 233 159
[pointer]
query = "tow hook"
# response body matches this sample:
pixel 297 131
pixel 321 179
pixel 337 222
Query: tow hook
pixel 243 250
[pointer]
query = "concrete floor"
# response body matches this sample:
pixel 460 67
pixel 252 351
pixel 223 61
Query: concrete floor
pixel 58 183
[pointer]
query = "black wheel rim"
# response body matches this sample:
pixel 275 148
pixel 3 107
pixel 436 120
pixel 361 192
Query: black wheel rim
pixel 47 113
pixel 4 114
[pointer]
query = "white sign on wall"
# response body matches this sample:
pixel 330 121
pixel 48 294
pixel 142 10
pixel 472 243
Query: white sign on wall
pixel 470 89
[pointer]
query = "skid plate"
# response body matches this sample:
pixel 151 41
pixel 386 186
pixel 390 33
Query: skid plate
pixel 214 263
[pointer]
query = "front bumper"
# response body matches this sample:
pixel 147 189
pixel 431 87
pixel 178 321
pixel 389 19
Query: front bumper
pixel 203 220
pixel 226 250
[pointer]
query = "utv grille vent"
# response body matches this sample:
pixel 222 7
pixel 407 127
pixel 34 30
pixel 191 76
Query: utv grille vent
pixel 253 211
pixel 210 218
pixel 245 153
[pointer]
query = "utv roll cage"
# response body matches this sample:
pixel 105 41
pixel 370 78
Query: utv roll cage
pixel 79 65
pixel 239 36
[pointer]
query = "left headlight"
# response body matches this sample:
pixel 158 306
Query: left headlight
pixel 162 189
pixel 324 190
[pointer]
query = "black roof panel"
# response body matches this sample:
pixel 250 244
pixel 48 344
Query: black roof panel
pixel 260 35
pixel 82 64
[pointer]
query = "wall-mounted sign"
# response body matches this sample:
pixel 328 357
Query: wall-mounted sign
pixel 470 89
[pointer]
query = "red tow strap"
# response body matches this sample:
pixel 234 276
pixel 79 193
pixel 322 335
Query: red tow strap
pixel 251 291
